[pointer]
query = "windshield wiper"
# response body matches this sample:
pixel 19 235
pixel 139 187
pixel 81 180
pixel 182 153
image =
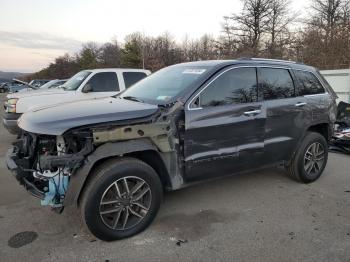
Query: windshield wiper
pixel 132 98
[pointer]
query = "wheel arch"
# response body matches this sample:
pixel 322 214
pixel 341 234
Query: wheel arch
pixel 323 128
pixel 141 149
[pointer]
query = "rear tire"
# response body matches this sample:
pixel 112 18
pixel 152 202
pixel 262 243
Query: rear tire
pixel 121 199
pixel 310 159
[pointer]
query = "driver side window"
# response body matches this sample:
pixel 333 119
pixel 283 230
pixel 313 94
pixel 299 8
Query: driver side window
pixel 238 85
pixel 104 82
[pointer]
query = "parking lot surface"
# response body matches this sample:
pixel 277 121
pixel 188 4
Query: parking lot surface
pixel 260 216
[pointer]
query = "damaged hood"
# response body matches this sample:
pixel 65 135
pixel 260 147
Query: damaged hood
pixel 57 119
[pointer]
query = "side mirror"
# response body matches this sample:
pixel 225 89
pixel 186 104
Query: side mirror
pixel 87 88
pixel 196 103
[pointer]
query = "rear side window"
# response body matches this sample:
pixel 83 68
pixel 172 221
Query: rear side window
pixel 235 86
pixel 104 82
pixel 275 83
pixel 308 84
pixel 131 78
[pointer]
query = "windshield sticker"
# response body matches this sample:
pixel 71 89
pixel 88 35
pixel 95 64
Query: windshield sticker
pixel 194 71
pixel 164 98
pixel 79 78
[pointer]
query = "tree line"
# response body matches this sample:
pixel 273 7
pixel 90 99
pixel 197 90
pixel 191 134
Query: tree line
pixel 263 28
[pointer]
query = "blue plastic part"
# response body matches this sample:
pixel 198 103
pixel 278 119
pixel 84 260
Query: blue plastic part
pixel 57 186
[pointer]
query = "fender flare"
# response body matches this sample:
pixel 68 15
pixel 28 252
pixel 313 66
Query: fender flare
pixel 301 138
pixel 78 179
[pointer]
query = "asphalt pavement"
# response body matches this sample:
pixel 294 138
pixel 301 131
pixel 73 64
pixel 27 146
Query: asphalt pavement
pixel 260 216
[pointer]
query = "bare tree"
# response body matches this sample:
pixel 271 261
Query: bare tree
pixel 250 25
pixel 227 43
pixel 326 37
pixel 262 28
pixel 110 55
pixel 277 28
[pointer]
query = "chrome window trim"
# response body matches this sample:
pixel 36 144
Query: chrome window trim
pixel 228 69
pixel 321 94
pixel 256 66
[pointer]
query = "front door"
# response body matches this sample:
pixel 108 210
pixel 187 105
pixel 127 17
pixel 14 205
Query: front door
pixel 225 125
pixel 103 84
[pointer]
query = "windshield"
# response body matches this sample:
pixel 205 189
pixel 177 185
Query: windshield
pixel 165 84
pixel 75 81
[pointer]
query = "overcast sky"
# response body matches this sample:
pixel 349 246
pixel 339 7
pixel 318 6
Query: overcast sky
pixel 34 32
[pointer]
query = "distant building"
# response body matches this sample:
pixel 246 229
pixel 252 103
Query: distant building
pixel 339 79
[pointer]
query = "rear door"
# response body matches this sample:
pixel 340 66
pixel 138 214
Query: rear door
pixel 285 110
pixel 225 125
pixel 319 101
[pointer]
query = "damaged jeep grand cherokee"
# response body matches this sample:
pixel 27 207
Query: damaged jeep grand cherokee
pixel 113 157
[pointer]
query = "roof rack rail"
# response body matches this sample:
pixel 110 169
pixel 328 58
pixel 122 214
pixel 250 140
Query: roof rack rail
pixel 267 59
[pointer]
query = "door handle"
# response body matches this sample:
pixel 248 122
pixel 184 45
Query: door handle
pixel 300 104
pixel 252 112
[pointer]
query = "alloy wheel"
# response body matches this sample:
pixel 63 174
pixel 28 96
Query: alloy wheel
pixel 314 158
pixel 125 203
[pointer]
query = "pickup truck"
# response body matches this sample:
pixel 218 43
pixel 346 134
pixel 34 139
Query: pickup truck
pixel 86 84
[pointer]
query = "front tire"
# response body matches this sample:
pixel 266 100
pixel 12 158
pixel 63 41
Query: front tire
pixel 310 159
pixel 121 199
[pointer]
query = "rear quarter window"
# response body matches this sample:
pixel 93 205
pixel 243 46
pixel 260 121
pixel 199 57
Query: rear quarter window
pixel 131 78
pixel 308 84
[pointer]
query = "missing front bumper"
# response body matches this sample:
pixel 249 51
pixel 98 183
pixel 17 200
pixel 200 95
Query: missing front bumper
pixel 22 175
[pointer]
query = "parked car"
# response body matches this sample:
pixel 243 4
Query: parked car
pixel 4 87
pixel 84 85
pixel 51 84
pixel 113 157
pixel 17 85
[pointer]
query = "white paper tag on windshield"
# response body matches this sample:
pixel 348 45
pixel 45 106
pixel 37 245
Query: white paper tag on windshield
pixel 194 71
pixel 164 98
pixel 80 78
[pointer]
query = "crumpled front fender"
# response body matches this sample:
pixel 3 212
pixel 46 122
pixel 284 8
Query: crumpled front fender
pixel 77 180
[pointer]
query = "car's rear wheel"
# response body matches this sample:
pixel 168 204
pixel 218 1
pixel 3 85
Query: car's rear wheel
pixel 121 199
pixel 311 158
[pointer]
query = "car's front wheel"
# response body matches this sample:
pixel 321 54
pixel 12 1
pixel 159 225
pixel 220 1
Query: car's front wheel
pixel 310 159
pixel 121 199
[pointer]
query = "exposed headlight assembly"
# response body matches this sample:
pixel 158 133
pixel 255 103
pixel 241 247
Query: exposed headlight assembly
pixel 10 105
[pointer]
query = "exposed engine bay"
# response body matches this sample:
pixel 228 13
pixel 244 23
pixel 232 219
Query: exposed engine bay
pixel 46 162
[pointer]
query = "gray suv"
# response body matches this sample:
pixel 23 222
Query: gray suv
pixel 113 157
